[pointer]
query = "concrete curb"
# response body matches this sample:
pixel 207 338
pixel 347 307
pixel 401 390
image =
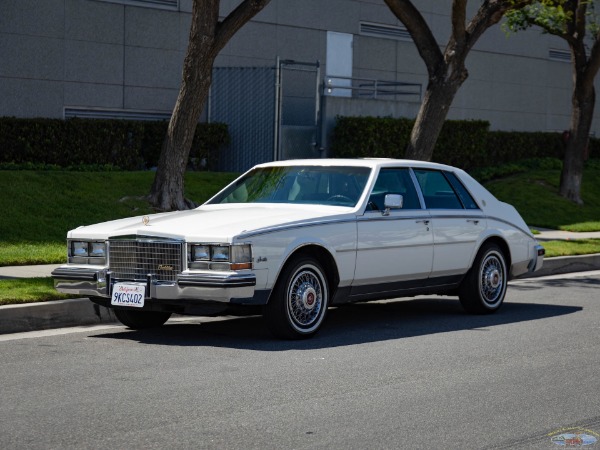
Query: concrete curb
pixel 54 314
pixel 81 311
pixel 567 264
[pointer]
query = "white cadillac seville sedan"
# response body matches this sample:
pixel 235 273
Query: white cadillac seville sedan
pixel 296 237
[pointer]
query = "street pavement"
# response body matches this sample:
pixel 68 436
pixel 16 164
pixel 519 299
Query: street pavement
pixel 406 374
pixel 78 312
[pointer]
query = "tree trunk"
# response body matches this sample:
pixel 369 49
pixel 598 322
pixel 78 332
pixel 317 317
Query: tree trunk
pixel 208 36
pixel 430 119
pixel 439 95
pixel 167 192
pixel 584 99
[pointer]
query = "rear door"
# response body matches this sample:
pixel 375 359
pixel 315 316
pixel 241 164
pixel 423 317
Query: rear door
pixel 456 221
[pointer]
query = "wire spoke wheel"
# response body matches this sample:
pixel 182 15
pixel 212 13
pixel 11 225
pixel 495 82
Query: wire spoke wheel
pixel 305 298
pixel 483 289
pixel 299 301
pixel 491 279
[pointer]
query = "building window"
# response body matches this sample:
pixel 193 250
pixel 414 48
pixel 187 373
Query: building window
pixel 559 55
pixel 118 114
pixel 384 31
pixel 161 4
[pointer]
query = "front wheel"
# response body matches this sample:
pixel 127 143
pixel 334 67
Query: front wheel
pixel 139 320
pixel 483 289
pixel 298 304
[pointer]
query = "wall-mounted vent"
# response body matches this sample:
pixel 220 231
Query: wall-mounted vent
pixel 384 31
pixel 162 4
pixel 559 55
pixel 120 114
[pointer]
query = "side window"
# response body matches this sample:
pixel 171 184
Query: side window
pixel 393 181
pixel 462 192
pixel 437 191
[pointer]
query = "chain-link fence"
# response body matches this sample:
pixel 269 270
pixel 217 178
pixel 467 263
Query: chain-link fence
pixel 244 99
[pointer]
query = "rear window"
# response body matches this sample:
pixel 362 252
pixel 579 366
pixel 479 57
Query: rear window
pixel 437 191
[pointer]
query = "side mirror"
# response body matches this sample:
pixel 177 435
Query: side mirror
pixel 392 201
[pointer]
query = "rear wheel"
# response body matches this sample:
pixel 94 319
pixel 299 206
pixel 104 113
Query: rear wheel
pixel 139 320
pixel 483 289
pixel 299 301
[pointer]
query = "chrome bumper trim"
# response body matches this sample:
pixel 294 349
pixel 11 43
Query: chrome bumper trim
pixel 74 274
pixel 538 258
pixel 222 281
pixel 223 287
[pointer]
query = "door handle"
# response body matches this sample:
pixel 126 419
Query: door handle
pixel 424 221
pixel 473 221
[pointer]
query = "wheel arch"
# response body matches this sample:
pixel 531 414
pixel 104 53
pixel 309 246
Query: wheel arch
pixel 323 256
pixel 500 242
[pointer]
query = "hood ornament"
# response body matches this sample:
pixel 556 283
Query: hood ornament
pixel 146 220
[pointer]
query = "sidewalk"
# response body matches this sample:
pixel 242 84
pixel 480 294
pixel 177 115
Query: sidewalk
pixel 76 312
pixel 558 235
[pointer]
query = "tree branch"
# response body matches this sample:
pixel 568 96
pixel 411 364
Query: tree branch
pixel 593 64
pixel 235 20
pixel 489 14
pixel 580 19
pixel 459 18
pixel 420 33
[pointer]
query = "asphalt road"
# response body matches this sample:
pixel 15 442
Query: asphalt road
pixel 412 374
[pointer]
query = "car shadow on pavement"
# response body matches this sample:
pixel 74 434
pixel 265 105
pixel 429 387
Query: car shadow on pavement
pixel 352 324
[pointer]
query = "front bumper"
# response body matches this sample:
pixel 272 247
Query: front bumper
pixel 226 287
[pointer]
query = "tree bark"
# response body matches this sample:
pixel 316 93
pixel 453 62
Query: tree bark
pixel 582 113
pixel 207 37
pixel 446 71
pixel 583 100
pixel 431 117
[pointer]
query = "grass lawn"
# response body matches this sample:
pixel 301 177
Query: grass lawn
pixel 28 290
pixel 535 195
pixel 39 207
pixel 570 248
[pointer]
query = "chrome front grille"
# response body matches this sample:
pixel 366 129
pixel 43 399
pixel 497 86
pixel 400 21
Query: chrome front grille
pixel 136 259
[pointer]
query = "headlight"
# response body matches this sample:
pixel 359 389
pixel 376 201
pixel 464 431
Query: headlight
pixel 220 257
pixel 220 253
pixel 97 249
pixel 79 248
pixel 200 252
pixel 87 252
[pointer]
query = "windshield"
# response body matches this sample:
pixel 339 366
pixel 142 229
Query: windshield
pixel 319 185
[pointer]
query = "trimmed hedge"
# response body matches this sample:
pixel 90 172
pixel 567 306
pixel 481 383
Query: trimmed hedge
pixel 465 144
pixel 124 144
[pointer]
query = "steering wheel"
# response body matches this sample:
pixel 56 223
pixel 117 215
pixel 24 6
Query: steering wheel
pixel 340 197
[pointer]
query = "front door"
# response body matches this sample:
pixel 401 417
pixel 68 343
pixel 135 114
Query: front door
pixel 396 248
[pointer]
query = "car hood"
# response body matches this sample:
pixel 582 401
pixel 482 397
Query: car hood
pixel 210 223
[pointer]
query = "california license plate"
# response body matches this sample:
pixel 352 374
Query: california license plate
pixel 128 294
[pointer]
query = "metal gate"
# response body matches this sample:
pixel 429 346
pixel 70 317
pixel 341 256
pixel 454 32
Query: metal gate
pixel 272 113
pixel 298 109
pixel 244 99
